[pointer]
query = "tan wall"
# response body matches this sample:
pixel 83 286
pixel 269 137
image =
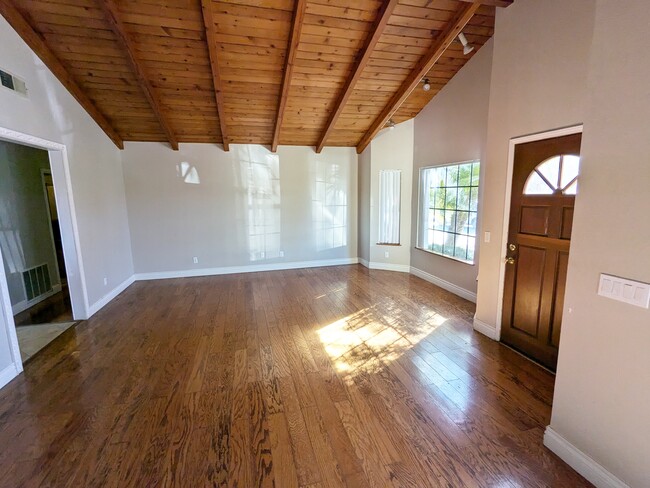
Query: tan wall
pixel 602 393
pixel 452 128
pixel 539 79
pixel 230 212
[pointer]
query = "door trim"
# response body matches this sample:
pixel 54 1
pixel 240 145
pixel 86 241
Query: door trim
pixel 538 136
pixel 60 168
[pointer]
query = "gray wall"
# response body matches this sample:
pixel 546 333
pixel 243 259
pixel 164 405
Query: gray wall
pixel 51 113
pixel 452 128
pixel 25 228
pixel 364 203
pixel 602 391
pixel 227 208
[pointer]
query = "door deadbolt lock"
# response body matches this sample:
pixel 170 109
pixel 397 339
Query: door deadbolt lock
pixel 512 247
pixel 510 260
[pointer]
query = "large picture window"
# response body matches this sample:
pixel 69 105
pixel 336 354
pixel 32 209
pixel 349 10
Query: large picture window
pixel 449 210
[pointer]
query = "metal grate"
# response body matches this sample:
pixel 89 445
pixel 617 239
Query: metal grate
pixel 37 281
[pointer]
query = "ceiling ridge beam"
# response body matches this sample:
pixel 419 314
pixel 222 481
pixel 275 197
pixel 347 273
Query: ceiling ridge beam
pixel 119 30
pixel 294 39
pixel 211 39
pixel 493 3
pixel 37 44
pixel 427 61
pixel 371 41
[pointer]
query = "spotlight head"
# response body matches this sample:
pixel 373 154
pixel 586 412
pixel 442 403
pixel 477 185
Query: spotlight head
pixel 390 124
pixel 427 85
pixel 467 47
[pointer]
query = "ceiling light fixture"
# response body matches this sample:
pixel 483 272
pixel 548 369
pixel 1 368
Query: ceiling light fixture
pixel 390 124
pixel 427 85
pixel 467 47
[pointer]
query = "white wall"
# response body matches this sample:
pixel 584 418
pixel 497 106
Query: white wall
pixel 392 149
pixel 539 79
pixel 227 208
pixel 602 392
pixel 25 224
pixel 365 161
pixel 50 112
pixel 452 128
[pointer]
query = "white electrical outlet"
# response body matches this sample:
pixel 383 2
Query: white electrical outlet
pixel 281 254
pixel 487 237
pixel 195 260
pixel 386 254
pixel 105 281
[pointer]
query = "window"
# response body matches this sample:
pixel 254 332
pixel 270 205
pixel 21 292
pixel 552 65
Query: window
pixel 389 206
pixel 558 174
pixel 449 210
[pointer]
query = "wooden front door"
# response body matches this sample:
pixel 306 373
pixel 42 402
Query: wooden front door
pixel 544 184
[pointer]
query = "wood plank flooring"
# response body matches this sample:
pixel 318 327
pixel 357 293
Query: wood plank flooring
pixel 312 378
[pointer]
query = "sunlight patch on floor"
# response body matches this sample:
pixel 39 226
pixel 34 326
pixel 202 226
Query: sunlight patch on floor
pixel 367 340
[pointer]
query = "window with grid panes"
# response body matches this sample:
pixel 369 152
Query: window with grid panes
pixel 449 210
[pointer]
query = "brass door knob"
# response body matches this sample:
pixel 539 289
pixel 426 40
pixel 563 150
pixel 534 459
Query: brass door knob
pixel 512 247
pixel 510 260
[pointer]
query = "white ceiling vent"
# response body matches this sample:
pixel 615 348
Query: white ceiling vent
pixel 13 82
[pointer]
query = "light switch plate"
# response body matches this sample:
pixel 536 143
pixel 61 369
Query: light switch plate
pixel 624 290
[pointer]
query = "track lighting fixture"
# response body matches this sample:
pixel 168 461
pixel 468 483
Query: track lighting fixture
pixel 427 85
pixel 467 47
pixel 390 124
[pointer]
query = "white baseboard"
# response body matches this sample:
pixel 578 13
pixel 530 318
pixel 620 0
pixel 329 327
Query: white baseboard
pixel 401 268
pixel 8 374
pixel 190 273
pixel 579 461
pixel 455 289
pixel 364 262
pixel 102 302
pixel 25 304
pixel 486 329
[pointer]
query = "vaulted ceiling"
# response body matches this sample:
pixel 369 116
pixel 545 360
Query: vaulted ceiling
pixel 295 72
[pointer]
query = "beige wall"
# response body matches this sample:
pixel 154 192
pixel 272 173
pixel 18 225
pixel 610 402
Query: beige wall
pixel 365 159
pixel 452 128
pixel 392 149
pixel 602 392
pixel 539 79
pixel 238 205
pixel 51 113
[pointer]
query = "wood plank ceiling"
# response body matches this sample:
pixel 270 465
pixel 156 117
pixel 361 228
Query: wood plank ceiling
pixel 293 72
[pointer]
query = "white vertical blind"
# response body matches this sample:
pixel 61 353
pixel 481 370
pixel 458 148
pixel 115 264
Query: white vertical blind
pixel 389 205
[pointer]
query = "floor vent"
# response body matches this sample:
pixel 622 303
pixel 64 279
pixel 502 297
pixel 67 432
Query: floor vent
pixel 37 281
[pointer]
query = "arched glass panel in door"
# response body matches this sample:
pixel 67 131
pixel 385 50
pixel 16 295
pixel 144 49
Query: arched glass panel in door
pixel 558 174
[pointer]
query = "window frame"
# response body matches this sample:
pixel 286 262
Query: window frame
pixel 420 221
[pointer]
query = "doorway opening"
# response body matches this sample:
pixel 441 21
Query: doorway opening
pixel 542 197
pixel 41 277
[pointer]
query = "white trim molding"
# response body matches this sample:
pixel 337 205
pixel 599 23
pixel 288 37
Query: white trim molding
pixel 253 268
pixel 111 295
pixel 581 462
pixel 539 136
pixel 486 329
pixel 400 268
pixel 364 262
pixel 8 374
pixel 455 289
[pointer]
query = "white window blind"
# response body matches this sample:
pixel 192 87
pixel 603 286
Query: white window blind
pixel 389 206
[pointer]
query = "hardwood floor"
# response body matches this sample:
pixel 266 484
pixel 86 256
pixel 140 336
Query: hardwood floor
pixel 313 378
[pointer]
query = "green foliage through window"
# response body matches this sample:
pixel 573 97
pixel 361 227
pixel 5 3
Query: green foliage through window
pixel 449 210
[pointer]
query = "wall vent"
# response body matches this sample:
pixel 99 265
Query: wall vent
pixel 13 82
pixel 37 281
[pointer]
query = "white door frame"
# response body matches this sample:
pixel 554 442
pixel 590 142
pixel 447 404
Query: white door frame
pixel 60 168
pixel 539 136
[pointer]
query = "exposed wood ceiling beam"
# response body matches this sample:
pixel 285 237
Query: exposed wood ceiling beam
pixel 294 39
pixel 123 38
pixel 377 30
pixel 425 64
pixel 494 3
pixel 211 38
pixel 37 44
